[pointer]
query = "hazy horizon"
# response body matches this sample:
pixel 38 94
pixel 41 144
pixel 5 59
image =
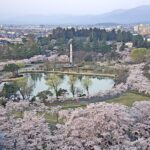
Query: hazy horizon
pixel 64 7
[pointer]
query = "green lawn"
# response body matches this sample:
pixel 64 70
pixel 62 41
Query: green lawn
pixel 51 118
pixel 68 104
pixel 72 105
pixel 129 98
pixel 17 114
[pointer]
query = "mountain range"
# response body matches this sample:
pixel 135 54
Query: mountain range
pixel 125 16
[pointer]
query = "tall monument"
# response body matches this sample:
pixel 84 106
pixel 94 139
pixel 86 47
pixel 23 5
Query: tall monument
pixel 71 54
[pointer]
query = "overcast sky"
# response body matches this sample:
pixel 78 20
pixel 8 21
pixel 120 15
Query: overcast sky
pixel 71 7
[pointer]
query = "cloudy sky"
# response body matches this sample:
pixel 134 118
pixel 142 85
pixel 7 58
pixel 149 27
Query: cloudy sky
pixel 71 7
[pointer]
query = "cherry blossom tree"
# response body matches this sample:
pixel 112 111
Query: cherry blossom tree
pixel 98 126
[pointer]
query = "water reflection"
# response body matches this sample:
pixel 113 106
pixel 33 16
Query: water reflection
pixel 36 77
pixel 67 85
pixel 74 85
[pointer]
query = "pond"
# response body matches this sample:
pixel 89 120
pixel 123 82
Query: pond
pixel 39 84
pixel 97 84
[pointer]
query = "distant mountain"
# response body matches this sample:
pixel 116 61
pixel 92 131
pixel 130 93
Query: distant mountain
pixel 135 15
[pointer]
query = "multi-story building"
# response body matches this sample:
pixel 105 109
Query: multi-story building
pixel 142 29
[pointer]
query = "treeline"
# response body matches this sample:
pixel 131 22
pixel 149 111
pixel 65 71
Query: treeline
pixel 91 39
pixel 93 34
pixel 19 51
pixel 98 40
pixel 100 35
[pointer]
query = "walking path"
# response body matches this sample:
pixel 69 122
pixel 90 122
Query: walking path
pixel 136 79
pixel 71 73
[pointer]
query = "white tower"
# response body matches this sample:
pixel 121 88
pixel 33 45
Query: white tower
pixel 71 54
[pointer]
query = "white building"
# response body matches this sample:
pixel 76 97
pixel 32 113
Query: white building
pixel 129 44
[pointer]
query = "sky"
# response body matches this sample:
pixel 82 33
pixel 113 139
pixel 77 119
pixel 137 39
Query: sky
pixel 71 7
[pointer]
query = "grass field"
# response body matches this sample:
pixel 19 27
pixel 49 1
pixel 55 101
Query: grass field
pixel 129 98
pixel 67 104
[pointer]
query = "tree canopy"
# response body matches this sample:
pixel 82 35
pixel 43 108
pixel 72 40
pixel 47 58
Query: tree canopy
pixel 12 68
pixel 140 54
pixel 54 81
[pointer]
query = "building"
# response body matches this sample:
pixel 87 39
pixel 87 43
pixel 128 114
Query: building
pixel 142 29
pixel 11 40
pixel 1 26
pixel 129 44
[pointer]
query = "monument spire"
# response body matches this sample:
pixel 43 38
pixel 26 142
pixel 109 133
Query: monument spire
pixel 71 53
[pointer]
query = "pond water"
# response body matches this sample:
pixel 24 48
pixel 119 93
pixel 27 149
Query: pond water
pixel 39 84
pixel 97 84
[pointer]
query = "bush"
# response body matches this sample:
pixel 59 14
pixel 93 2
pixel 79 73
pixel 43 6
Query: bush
pixel 88 58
